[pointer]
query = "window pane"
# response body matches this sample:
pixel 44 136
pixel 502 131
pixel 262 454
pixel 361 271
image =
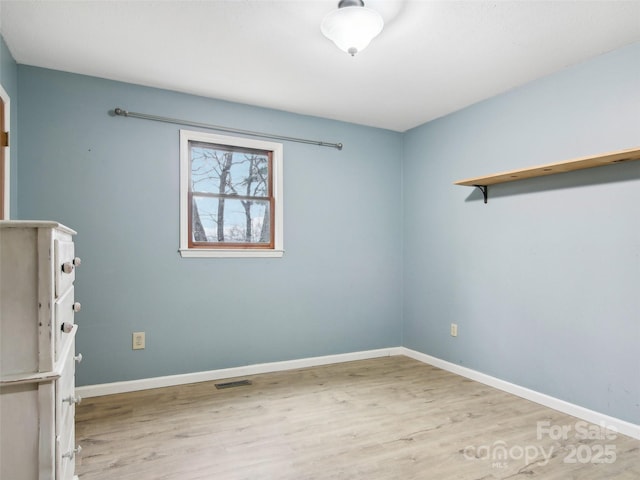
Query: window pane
pixel 230 220
pixel 220 171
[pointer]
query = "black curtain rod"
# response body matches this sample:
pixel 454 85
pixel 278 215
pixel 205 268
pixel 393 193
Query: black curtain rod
pixel 124 113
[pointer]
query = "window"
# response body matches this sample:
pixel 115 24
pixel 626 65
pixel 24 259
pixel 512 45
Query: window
pixel 230 196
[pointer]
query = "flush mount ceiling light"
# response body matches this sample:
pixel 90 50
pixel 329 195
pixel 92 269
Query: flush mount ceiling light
pixel 352 26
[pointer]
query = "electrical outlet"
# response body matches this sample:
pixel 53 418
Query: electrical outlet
pixel 454 329
pixel 138 340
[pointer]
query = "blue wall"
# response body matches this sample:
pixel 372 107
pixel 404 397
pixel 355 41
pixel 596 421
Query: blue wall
pixel 544 280
pixel 9 81
pixel 115 180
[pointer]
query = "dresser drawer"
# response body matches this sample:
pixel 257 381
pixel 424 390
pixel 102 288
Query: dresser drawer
pixel 65 266
pixel 65 391
pixel 66 451
pixel 65 309
pixel 65 415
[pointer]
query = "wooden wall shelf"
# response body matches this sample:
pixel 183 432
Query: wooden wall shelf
pixel 550 169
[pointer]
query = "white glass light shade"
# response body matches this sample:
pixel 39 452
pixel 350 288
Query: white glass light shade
pixel 352 28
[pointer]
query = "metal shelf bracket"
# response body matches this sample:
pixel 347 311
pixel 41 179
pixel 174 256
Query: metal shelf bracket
pixel 485 191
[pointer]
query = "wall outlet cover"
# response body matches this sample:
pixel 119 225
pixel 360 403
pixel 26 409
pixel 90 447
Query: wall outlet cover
pixel 138 341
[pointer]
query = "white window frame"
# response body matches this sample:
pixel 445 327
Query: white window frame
pixel 277 178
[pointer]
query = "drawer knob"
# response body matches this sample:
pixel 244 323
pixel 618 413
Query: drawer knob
pixel 78 358
pixel 77 261
pixel 72 453
pixel 76 307
pixel 67 267
pixel 67 327
pixel 71 399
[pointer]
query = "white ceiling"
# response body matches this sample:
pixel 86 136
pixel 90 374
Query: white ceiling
pixel 432 58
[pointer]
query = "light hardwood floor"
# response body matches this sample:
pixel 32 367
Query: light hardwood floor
pixel 389 418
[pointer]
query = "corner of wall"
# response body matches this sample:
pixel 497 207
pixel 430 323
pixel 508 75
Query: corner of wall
pixel 9 82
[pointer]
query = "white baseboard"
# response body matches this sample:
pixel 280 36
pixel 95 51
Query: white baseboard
pixel 626 428
pixel 207 376
pixel 622 426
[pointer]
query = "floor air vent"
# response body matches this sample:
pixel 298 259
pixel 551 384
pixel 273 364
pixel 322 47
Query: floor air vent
pixel 238 383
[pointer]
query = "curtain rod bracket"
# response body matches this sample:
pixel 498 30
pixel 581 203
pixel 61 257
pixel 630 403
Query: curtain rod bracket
pixel 125 113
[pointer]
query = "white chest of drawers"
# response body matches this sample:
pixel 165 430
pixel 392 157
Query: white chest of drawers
pixel 37 351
